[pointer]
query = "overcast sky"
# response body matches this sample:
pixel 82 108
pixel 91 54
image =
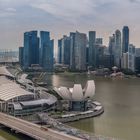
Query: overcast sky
pixel 62 16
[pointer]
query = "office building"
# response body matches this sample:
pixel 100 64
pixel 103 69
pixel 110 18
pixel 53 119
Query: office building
pixel 72 51
pixel 46 51
pixel 92 50
pixel 31 49
pixel 80 51
pixel 128 60
pixel 59 51
pixel 131 63
pixel 65 59
pixel 117 49
pixel 21 61
pixel 125 39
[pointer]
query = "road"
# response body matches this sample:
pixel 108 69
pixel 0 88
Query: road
pixel 33 130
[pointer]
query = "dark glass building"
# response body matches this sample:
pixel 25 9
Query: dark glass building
pixel 46 51
pixel 137 64
pixel 72 52
pixel 59 51
pixel 92 50
pixel 66 50
pixel 21 50
pixel 125 39
pixel 31 49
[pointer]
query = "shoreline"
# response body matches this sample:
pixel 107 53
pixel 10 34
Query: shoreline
pixel 78 117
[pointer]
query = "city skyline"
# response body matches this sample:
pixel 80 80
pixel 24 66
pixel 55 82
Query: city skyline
pixel 62 17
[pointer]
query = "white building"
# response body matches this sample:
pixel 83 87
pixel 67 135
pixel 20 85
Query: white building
pixel 77 96
pixel 128 59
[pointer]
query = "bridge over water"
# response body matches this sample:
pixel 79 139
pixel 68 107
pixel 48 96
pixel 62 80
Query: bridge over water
pixel 33 130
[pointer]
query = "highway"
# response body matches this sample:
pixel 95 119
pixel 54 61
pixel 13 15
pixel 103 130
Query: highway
pixel 33 130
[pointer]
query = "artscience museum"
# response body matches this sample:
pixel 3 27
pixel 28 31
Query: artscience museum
pixel 77 96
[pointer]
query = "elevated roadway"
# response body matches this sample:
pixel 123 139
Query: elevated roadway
pixel 33 130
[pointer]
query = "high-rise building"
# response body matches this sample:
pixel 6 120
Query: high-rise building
pixel 99 56
pixel 72 52
pixel 21 61
pixel 125 60
pixel 46 51
pixel 80 44
pixel 31 49
pixel 131 62
pixel 117 50
pixel 99 41
pixel 59 51
pixel 65 59
pixel 92 50
pixel 137 60
pixel 125 39
pixel 112 44
pixel 128 59
pixel 112 48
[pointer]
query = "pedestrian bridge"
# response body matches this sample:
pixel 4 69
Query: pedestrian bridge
pixel 33 130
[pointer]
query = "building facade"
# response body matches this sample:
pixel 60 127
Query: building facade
pixel 125 39
pixel 31 49
pixel 46 51
pixel 117 49
pixel 21 61
pixel 80 51
pixel 92 49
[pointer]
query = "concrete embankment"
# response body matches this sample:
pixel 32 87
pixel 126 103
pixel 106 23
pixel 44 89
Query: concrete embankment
pixel 81 116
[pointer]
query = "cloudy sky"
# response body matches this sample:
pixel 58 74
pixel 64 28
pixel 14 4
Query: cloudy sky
pixel 62 16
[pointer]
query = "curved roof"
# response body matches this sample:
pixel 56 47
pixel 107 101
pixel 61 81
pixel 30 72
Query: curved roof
pixel 4 71
pixel 77 93
pixel 4 80
pixel 65 93
pixel 90 89
pixel 12 90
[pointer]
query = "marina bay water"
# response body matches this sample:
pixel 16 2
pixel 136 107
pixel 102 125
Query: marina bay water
pixel 121 101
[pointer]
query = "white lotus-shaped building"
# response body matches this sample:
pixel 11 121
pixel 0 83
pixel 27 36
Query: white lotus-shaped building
pixel 77 93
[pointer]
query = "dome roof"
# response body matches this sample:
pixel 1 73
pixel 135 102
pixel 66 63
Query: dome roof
pixel 77 93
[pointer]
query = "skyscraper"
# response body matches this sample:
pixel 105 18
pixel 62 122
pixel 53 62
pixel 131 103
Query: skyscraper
pixel 112 48
pixel 21 61
pixel 31 49
pixel 46 51
pixel 112 44
pixel 66 50
pixel 125 39
pixel 117 51
pixel 72 52
pixel 59 51
pixel 80 51
pixel 92 50
pixel 131 57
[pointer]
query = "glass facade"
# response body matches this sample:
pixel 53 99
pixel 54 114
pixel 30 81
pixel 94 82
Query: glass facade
pixel 31 49
pixel 125 41
pixel 46 51
pixel 92 50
